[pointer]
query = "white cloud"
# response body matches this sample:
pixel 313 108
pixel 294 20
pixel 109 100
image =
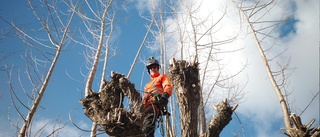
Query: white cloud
pixel 262 104
pixel 146 5
pixel 304 48
pixel 304 82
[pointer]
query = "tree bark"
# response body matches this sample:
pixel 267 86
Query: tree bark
pixel 222 119
pixel 185 79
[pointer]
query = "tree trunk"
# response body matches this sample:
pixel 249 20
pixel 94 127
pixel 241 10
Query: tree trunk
pixel 185 80
pixel 36 102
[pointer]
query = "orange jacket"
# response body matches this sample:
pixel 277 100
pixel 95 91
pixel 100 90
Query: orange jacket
pixel 157 85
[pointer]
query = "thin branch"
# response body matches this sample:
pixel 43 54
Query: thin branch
pixel 138 52
pixel 12 92
pixel 88 90
pixel 309 103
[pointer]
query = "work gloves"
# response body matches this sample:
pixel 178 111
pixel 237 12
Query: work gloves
pixel 163 101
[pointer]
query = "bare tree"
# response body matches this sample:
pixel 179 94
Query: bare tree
pixel 112 116
pixel 255 15
pixel 198 44
pixel 105 107
pixel 48 48
pixel 198 48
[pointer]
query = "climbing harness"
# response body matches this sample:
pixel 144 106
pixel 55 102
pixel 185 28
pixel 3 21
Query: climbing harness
pixel 164 112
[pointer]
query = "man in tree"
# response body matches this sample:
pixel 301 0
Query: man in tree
pixel 155 99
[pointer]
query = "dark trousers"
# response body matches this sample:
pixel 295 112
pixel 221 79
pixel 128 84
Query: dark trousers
pixel 151 114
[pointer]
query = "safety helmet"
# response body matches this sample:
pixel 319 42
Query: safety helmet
pixel 152 62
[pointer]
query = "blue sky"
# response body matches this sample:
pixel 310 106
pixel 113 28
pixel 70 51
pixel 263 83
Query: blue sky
pixel 258 112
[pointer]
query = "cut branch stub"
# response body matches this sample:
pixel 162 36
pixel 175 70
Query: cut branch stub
pixel 106 107
pixel 300 130
pixel 220 120
pixel 185 79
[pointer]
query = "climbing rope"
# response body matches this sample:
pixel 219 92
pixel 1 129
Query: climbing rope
pixel 161 125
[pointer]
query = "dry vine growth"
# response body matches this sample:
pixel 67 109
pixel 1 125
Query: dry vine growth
pixel 106 107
